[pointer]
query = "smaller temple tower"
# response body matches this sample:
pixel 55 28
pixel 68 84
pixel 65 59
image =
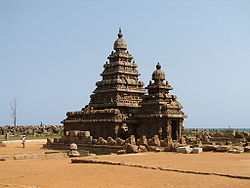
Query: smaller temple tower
pixel 160 112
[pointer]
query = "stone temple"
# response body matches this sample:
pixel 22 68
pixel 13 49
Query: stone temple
pixel 121 106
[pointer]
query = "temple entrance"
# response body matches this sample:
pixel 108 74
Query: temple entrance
pixel 174 129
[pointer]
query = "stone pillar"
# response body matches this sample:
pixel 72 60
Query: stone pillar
pixel 180 129
pixel 168 129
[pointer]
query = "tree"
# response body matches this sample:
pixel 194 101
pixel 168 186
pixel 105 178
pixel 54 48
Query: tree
pixel 13 111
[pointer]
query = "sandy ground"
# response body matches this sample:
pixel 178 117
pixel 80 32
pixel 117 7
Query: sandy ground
pixel 62 173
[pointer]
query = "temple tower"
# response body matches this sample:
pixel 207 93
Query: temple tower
pixel 114 101
pixel 119 87
pixel 160 112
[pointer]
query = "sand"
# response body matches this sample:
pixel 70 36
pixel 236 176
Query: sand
pixel 62 173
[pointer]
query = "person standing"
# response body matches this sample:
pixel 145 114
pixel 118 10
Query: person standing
pixel 23 141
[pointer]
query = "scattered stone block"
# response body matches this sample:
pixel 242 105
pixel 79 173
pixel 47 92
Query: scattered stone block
pixel 171 148
pixel 209 147
pixel 102 141
pixel 49 140
pixel 142 148
pixel 185 149
pixel 131 148
pixel 197 150
pixel 222 149
pixel 119 142
pixel 247 149
pixel 131 140
pixel 234 150
pixel 154 149
pixel 111 141
pixel 121 152
pixel 2 144
pixel 73 151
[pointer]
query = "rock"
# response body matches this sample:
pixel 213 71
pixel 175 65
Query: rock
pixel 49 140
pixel 163 143
pixel 222 149
pixel 185 149
pixel 142 148
pixel 2 144
pixel 171 148
pixel 131 140
pixel 88 139
pixel 247 149
pixel 239 135
pixel 111 141
pixel 154 141
pixel 102 141
pixel 209 147
pixel 154 148
pixel 94 141
pixel 121 152
pixel 119 142
pixel 131 148
pixel 143 141
pixel 73 151
pixel 73 146
pixel 197 150
pixel 245 133
pixel 234 150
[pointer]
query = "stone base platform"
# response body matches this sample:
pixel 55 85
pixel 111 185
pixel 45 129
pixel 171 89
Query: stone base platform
pixel 96 149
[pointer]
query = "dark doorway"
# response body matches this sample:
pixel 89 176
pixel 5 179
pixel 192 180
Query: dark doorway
pixel 174 129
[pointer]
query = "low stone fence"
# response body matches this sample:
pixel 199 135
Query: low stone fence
pixel 34 130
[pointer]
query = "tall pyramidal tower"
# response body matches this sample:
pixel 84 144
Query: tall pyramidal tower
pixel 116 98
pixel 119 87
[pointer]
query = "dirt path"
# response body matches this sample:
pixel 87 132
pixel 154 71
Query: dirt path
pixel 62 173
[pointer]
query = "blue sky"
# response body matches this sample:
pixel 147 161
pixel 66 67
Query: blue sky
pixel 52 52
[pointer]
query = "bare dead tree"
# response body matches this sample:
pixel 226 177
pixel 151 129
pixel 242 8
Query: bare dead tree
pixel 13 111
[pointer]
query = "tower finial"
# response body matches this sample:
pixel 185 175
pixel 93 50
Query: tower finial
pixel 158 66
pixel 120 33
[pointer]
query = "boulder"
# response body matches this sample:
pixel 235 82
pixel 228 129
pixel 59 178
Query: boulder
pixel 154 141
pixel 119 142
pixel 87 139
pixel 73 146
pixel 154 148
pixel 209 147
pixel 131 140
pixel 142 148
pixel 247 149
pixel 197 150
pixel 184 149
pixel 102 141
pixel 234 150
pixel 2 144
pixel 222 149
pixel 73 151
pixel 49 140
pixel 143 141
pixel 171 148
pixel 131 148
pixel 121 152
pixel 111 141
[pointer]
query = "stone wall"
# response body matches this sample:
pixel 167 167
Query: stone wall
pixel 32 130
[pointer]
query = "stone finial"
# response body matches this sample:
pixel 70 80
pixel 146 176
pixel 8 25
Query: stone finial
pixel 120 35
pixel 158 66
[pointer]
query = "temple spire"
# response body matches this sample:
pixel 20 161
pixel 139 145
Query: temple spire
pixel 120 33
